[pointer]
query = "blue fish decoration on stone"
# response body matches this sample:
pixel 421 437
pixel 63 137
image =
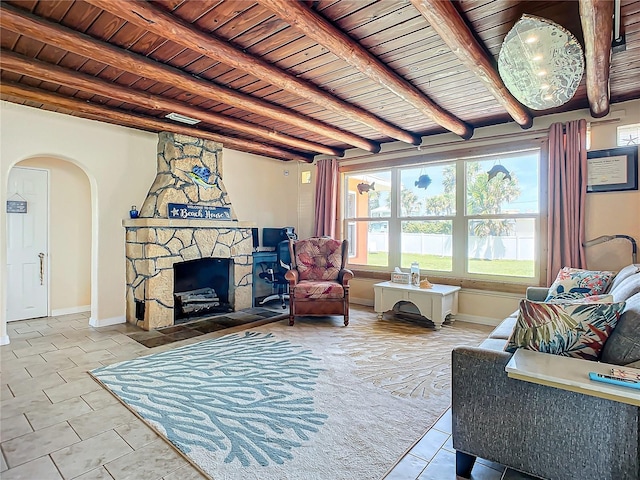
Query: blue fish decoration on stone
pixel 200 176
pixel 203 172
pixel 423 181
pixel 496 169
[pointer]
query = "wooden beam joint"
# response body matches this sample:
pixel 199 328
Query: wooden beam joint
pixel 448 23
pixel 596 17
pixel 326 34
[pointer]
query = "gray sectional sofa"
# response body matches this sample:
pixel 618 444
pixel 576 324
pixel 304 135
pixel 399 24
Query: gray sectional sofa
pixel 544 431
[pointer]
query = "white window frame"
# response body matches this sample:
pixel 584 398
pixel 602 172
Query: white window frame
pixel 461 218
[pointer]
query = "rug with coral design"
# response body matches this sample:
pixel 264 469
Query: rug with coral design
pixel 313 401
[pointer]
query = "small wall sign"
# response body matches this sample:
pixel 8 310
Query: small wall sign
pixel 16 206
pixel 198 212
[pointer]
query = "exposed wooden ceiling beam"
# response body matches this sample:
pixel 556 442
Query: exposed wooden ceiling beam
pixel 452 29
pixel 34 68
pixel 323 32
pixel 109 115
pixel 50 33
pixel 596 17
pixel 145 15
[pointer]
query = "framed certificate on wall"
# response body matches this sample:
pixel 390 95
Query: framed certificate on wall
pixel 612 170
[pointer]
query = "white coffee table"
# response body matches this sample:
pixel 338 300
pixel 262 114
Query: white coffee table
pixel 434 303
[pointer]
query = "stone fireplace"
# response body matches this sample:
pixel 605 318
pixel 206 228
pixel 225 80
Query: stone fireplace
pixel 189 172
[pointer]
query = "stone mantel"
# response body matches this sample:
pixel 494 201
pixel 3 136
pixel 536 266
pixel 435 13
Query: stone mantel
pixel 180 223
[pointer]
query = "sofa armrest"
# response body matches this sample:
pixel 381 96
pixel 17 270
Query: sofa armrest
pixel 537 294
pixel 538 429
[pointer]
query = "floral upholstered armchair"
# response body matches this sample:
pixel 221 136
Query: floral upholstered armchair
pixel 318 281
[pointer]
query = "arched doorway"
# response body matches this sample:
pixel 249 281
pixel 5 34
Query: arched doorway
pixel 69 238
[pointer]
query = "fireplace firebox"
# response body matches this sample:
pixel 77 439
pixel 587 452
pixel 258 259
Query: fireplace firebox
pixel 201 287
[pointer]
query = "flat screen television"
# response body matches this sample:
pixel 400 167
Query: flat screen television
pixel 272 236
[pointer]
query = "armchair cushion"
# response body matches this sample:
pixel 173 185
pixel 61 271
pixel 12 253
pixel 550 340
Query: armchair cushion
pixel 318 289
pixel 318 258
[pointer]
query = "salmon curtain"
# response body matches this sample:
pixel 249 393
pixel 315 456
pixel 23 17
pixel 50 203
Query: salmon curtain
pixel 567 196
pixel 327 179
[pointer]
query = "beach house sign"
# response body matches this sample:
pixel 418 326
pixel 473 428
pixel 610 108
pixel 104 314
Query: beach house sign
pixel 198 212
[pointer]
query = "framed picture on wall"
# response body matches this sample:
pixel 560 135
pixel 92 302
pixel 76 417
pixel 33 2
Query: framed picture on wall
pixel 612 170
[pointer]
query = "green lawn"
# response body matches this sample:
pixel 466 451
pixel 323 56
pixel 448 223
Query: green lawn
pixel 515 268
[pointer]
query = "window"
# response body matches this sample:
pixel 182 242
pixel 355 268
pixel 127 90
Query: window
pixel 628 135
pixel 367 215
pixel 474 217
pixel 427 210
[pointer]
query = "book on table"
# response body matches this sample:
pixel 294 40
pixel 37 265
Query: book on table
pixel 626 372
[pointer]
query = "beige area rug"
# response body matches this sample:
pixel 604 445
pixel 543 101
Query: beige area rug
pixel 313 401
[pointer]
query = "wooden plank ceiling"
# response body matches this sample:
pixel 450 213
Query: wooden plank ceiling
pixel 291 80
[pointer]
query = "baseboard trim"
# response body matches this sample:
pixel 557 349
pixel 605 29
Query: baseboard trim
pixel 4 340
pixel 67 311
pixel 488 293
pixel 105 322
pixel 361 301
pixel 464 317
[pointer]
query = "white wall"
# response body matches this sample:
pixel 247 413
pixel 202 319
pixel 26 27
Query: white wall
pixel 612 213
pixel 120 164
pixel 262 190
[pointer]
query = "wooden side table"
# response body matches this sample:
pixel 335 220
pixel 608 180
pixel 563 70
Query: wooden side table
pixel 434 303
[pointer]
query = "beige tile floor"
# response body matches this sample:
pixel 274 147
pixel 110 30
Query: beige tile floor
pixel 57 423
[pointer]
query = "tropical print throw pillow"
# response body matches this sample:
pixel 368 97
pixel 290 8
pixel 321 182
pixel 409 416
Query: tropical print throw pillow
pixel 572 330
pixel 590 299
pixel 577 283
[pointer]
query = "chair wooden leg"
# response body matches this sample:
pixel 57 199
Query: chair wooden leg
pixel 345 306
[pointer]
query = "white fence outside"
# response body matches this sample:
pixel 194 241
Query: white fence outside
pixel 490 248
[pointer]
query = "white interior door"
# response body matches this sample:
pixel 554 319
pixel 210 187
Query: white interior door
pixel 27 252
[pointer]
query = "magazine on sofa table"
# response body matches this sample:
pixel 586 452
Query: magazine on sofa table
pixel 632 373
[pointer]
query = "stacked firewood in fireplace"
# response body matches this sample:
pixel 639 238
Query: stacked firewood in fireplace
pixel 197 301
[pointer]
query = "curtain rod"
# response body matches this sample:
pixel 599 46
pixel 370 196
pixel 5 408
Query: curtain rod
pixel 525 135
